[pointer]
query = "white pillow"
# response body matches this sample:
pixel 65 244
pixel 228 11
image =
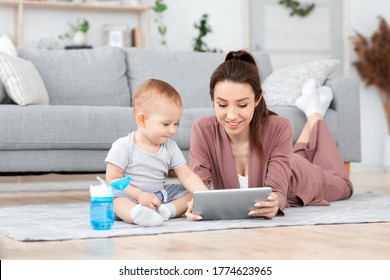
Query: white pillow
pixel 6 46
pixel 22 81
pixel 282 87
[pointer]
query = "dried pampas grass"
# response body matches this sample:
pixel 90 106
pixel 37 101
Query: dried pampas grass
pixel 373 64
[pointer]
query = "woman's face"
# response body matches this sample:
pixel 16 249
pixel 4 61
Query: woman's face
pixel 234 105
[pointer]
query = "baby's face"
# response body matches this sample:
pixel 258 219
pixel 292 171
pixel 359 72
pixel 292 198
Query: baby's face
pixel 162 121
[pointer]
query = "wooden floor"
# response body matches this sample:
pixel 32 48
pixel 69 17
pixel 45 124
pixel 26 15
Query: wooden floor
pixel 329 242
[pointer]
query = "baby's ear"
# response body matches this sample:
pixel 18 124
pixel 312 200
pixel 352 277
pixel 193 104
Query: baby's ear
pixel 141 118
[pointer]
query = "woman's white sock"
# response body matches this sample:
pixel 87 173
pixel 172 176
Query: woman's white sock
pixel 314 100
pixel 308 102
pixel 309 87
pixel 146 217
pixel 325 95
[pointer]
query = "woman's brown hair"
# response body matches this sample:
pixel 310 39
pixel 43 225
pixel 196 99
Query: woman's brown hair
pixel 241 67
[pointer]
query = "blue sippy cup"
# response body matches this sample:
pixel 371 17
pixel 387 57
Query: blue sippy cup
pixel 101 209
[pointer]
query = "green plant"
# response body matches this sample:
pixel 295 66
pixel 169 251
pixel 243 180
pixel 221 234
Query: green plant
pixel 204 28
pixel 373 63
pixel 159 8
pixel 80 25
pixel 296 7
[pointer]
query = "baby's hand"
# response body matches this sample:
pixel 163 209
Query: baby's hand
pixel 148 200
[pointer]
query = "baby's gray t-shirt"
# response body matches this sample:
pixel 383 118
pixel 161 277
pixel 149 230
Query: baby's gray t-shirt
pixel 148 171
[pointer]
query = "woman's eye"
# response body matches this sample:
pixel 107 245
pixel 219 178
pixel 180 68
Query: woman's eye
pixel 222 105
pixel 242 105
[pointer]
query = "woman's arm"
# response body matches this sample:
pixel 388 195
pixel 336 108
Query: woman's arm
pixel 199 158
pixel 278 172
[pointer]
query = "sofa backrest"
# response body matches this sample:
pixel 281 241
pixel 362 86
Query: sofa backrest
pixel 94 77
pixel 188 72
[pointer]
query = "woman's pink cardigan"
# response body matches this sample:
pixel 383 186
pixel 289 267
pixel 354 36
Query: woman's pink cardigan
pixel 295 179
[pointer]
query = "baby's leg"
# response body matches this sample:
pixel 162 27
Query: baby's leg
pixel 132 213
pixel 146 217
pixel 167 211
pixel 178 198
pixel 175 208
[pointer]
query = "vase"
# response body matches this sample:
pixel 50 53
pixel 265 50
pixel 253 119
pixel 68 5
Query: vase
pixel 79 38
pixel 386 155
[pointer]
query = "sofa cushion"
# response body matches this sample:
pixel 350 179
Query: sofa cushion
pixel 188 72
pixel 82 77
pixel 22 81
pixel 283 86
pixel 183 135
pixel 63 127
pixel 77 127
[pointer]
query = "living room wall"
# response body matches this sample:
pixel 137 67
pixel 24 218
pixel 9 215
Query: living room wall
pixel 180 17
pixel 228 20
pixel 361 15
pixel 231 31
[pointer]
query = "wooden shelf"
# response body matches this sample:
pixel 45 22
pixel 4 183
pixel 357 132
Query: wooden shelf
pixel 20 5
pixel 75 6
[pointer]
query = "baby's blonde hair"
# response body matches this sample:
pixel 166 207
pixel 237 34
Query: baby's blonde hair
pixel 149 90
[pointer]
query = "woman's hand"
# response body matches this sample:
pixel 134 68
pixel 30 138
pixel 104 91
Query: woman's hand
pixel 148 200
pixel 190 216
pixel 266 208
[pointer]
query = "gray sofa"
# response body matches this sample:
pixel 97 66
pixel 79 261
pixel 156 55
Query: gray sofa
pixel 90 94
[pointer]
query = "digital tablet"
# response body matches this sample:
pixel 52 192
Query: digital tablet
pixel 228 203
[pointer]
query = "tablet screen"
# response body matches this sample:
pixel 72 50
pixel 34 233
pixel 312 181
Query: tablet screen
pixel 228 203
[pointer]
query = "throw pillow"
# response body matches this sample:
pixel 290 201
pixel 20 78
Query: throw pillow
pixel 6 46
pixel 93 77
pixel 282 87
pixel 22 81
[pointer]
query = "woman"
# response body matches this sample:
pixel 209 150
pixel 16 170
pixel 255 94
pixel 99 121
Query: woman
pixel 246 145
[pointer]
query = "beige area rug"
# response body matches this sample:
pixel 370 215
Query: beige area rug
pixel 71 221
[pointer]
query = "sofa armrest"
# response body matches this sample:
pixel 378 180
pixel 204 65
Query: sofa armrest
pixel 346 103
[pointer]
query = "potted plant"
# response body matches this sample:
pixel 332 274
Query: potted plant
pixel 78 32
pixel 159 8
pixel 373 66
pixel 297 8
pixel 204 28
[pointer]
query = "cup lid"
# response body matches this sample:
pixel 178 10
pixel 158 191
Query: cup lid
pixel 100 191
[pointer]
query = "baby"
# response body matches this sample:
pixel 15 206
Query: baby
pixel 147 155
